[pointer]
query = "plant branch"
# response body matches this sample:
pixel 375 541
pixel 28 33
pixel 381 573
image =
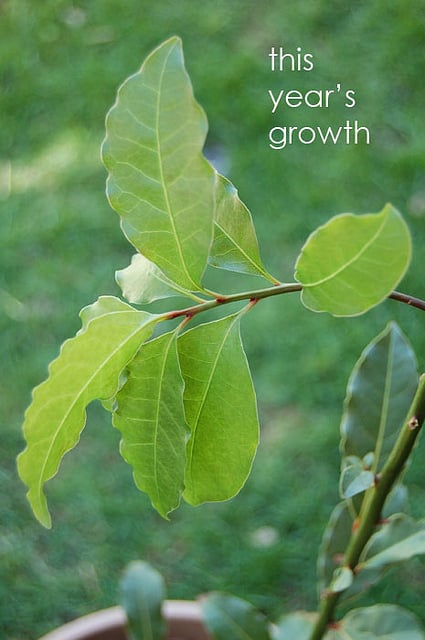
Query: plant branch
pixel 279 289
pixel 373 502
pixel 410 300
pixel 256 294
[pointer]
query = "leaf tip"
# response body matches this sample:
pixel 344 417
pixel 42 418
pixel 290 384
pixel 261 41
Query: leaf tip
pixel 39 508
pixel 36 499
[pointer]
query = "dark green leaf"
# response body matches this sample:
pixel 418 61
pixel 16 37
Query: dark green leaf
pixel 381 622
pixel 227 617
pixel 142 596
pixel 220 409
pixel 151 419
pixel 329 567
pixel 295 626
pixel 87 368
pixel 334 544
pixel 398 540
pixel 159 181
pixel 352 263
pixel 396 502
pixel 379 393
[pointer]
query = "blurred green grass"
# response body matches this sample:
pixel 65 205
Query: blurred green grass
pixel 60 65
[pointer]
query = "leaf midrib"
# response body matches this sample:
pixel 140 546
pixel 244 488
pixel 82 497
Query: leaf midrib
pixel 347 264
pixel 254 262
pixel 205 395
pixel 42 478
pixel 384 407
pixel 158 403
pixel 161 171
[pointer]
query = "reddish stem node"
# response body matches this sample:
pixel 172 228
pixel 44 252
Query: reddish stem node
pixel 334 625
pixel 174 314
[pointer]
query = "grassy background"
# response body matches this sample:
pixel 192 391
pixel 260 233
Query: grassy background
pixel 60 65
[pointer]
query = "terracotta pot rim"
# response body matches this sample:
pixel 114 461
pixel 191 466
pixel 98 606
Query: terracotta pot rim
pixel 115 618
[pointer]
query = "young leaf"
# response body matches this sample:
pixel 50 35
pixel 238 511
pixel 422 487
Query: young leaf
pixel 87 368
pixel 379 393
pixel 227 617
pixel 151 419
pixel 142 282
pixel 354 477
pixel 400 539
pixel 142 596
pixel 380 622
pixel 159 181
pixel 352 263
pixel 220 409
pixel 235 245
pixel 342 579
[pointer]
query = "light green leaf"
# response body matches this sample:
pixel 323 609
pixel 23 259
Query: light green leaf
pixel 228 617
pixel 295 626
pixel 400 539
pixel 87 368
pixel 142 282
pixel 220 409
pixel 353 263
pixel 159 182
pixel 235 245
pixel 379 393
pixel 142 595
pixel 380 622
pixel 151 419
